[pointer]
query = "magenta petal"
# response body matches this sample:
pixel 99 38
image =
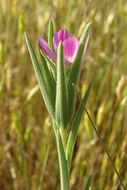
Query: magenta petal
pixel 70 49
pixel 45 47
pixel 60 36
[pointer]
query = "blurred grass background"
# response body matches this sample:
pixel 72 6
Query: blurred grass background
pixel 28 157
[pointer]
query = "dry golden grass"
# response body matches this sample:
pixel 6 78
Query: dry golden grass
pixel 28 157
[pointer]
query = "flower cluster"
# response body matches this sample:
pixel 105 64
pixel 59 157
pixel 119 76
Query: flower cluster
pixel 70 44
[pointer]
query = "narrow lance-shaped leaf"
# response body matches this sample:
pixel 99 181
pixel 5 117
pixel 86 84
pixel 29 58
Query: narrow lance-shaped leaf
pixel 50 62
pixel 61 90
pixel 62 163
pixel 88 183
pixel 76 70
pixel 46 96
pixel 75 127
pixel 50 35
pixel 50 83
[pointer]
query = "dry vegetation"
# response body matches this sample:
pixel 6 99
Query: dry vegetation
pixel 28 157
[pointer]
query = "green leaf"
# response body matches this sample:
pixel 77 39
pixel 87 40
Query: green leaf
pixel 85 33
pixel 50 62
pixel 88 183
pixel 75 127
pixel 61 90
pixel 46 96
pixel 76 70
pixel 50 35
pixel 62 163
pixel 50 82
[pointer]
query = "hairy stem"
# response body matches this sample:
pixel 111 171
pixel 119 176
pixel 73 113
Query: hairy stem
pixel 64 175
pixel 64 137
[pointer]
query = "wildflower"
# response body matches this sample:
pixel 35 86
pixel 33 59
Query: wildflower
pixel 70 44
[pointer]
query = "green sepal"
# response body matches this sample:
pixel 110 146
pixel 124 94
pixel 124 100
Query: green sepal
pixel 61 109
pixel 46 96
pixel 50 82
pixel 75 127
pixel 50 35
pixel 76 71
pixel 88 183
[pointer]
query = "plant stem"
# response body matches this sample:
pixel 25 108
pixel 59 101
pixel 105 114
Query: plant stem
pixel 64 176
pixel 63 132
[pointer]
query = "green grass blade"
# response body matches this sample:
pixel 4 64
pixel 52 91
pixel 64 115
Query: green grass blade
pixel 50 83
pixel 76 70
pixel 62 163
pixel 43 169
pixel 88 183
pixel 61 90
pixel 50 35
pixel 74 128
pixel 46 96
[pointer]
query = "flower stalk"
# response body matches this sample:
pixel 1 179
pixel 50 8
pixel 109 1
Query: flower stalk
pixel 64 175
pixel 63 133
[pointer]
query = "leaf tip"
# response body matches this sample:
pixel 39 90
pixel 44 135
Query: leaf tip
pixel 50 22
pixel 60 47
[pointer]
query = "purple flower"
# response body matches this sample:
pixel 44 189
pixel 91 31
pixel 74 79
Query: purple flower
pixel 70 43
